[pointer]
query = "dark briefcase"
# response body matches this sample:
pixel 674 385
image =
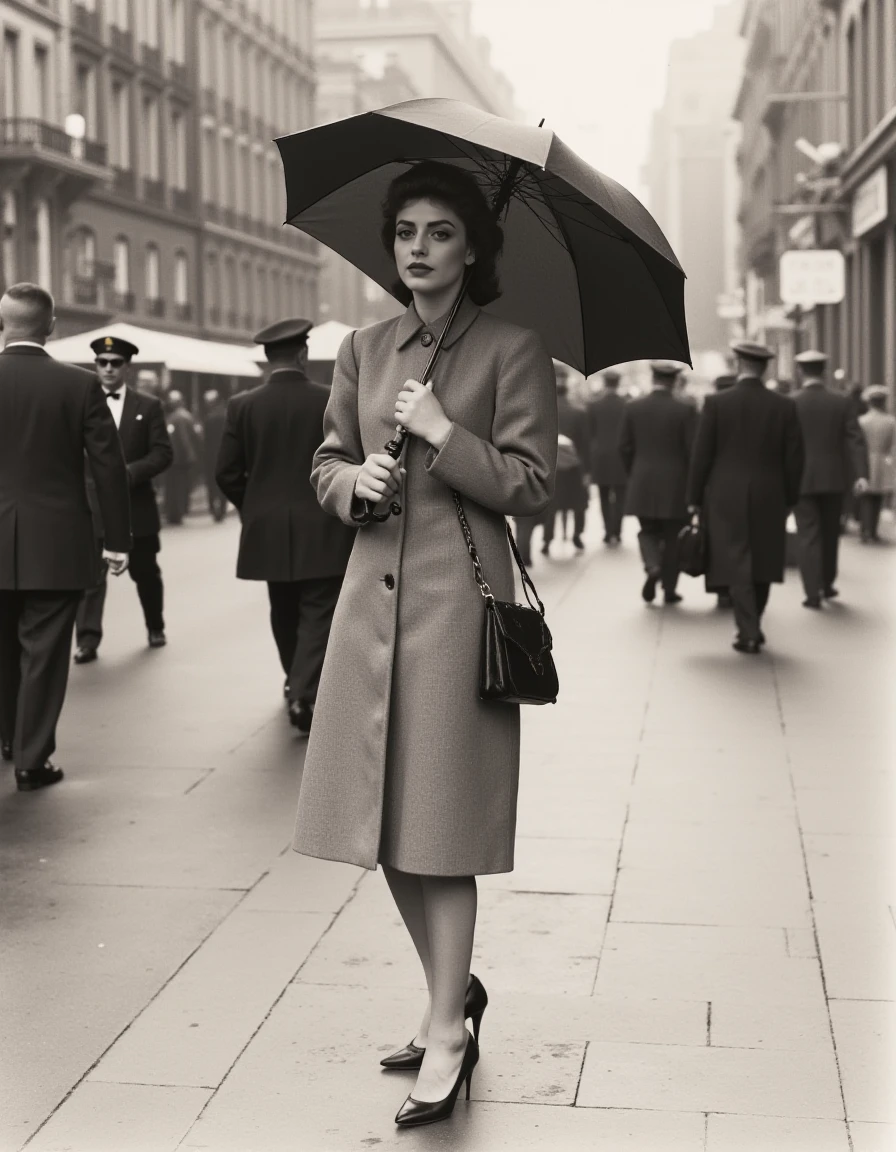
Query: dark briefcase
pixel 692 548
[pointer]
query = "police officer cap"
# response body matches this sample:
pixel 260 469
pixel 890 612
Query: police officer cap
pixel 665 367
pixel 611 375
pixel 114 346
pixel 282 331
pixel 752 350
pixel 810 358
pixel 876 392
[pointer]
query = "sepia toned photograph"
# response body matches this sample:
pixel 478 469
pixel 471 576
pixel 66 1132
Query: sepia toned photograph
pixel 447 575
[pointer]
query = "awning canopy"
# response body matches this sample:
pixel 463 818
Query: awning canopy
pixel 176 352
pixel 323 341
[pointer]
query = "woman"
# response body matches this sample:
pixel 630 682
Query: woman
pixel 880 436
pixel 405 766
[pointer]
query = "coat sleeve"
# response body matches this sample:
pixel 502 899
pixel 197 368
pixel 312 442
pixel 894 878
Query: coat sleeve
pixel 338 460
pixel 794 455
pixel 703 453
pixel 626 441
pixel 231 466
pixel 513 472
pixel 856 444
pixel 107 466
pixel 160 453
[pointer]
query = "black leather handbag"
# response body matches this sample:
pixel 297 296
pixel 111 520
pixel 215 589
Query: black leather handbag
pixel 516 665
pixel 692 548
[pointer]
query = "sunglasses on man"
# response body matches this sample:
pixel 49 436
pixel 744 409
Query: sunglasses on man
pixel 110 361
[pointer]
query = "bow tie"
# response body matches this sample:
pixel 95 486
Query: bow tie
pixel 113 395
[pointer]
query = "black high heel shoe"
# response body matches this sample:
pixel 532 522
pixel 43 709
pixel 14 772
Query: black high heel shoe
pixel 415 1112
pixel 409 1058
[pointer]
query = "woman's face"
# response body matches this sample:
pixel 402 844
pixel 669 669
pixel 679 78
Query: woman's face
pixel 431 250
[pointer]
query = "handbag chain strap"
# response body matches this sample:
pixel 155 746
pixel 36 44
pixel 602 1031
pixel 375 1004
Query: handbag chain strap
pixel 484 589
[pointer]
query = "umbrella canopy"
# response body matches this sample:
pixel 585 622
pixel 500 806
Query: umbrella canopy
pixel 584 262
pixel 179 353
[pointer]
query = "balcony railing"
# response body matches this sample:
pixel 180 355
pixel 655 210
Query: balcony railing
pixel 86 21
pixel 153 191
pixel 39 135
pixel 122 40
pixel 155 306
pixel 124 301
pixel 228 217
pixel 181 200
pixel 183 312
pixel 124 181
pixel 85 290
pixel 179 73
pixel 244 223
pixel 211 212
pixel 151 57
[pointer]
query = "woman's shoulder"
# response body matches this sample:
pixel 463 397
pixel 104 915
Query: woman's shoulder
pixel 509 336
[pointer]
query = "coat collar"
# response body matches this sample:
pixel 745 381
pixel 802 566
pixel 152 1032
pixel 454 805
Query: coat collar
pixel 25 350
pixel 410 324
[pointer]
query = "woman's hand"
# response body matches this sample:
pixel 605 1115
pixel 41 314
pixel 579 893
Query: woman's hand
pixel 418 410
pixel 379 478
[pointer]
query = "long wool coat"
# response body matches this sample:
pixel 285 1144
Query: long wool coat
pixel 405 765
pixel 745 476
pixel 655 442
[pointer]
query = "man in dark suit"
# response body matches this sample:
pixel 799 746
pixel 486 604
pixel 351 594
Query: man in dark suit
pixel 836 454
pixel 51 414
pixel 213 421
pixel 264 468
pixel 147 453
pixel 186 447
pixel 655 441
pixel 571 489
pixel 744 478
pixel 606 466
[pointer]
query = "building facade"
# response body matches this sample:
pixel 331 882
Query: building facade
pixel 818 163
pixel 372 53
pixel 138 174
pixel 690 176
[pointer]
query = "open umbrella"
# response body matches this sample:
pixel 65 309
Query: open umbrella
pixel 584 263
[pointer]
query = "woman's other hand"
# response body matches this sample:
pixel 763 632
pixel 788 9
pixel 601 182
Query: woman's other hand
pixel 418 410
pixel 379 478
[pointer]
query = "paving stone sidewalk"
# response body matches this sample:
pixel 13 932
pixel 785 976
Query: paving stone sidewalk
pixel 695 953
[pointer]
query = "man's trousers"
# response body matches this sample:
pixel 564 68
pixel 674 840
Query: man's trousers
pixel 35 650
pixel 749 602
pixel 818 528
pixel 143 569
pixel 658 541
pixel 870 506
pixel 301 614
pixel 612 507
pixel 178 485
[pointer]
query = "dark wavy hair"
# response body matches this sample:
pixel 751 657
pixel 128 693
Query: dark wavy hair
pixel 458 190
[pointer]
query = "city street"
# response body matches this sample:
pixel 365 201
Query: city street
pixel 695 953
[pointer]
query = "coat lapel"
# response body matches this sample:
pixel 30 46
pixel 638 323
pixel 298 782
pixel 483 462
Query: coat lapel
pixel 128 412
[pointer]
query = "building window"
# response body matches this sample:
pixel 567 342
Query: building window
pixel 10 74
pixel 177 143
pixel 120 126
pixel 226 186
pixel 8 219
pixel 85 96
pixel 230 292
pixel 151 136
pixel 213 288
pixel 177 31
pixel 44 250
pixel 121 258
pixel 181 278
pixel 151 273
pixel 246 294
pixel 42 81
pixel 209 165
pixel 84 254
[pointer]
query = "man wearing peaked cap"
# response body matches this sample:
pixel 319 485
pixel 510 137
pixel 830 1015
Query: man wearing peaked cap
pixel 835 454
pixel 750 350
pixel 607 469
pixel 264 468
pixel 147 451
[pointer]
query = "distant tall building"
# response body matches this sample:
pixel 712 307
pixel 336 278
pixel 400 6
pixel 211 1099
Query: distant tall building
pixel 691 174
pixel 138 178
pixel 376 52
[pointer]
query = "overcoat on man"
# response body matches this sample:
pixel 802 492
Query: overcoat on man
pixel 405 764
pixel 656 437
pixel 607 469
pixel 745 475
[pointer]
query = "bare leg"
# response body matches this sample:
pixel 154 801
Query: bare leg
pixel 407 892
pixel 449 903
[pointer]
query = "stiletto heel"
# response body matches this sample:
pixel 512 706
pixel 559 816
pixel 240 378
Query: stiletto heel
pixel 415 1112
pixel 409 1058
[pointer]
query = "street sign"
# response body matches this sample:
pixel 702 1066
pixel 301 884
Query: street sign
pixel 812 276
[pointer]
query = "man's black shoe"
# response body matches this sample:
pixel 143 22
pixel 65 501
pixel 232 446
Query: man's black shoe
pixel 748 647
pixel 29 780
pixel 84 654
pixel 545 549
pixel 6 749
pixel 673 598
pixel 761 637
pixel 577 543
pixel 648 592
pixel 300 715
pixel 157 639
pixel 812 602
pixel 831 593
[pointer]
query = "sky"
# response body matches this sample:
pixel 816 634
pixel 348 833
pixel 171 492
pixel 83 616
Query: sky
pixel 595 69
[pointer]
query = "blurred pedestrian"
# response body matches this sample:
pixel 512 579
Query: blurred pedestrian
pixel 745 476
pixel 729 377
pixel 606 466
pixel 51 415
pixel 213 420
pixel 852 502
pixel 835 452
pixel 879 430
pixel 140 421
pixel 571 491
pixel 264 468
pixel 655 441
pixel 185 442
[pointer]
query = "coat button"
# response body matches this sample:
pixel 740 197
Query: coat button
pixel 426 339
pixel 389 581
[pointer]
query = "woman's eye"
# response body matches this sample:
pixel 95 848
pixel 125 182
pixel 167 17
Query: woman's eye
pixel 440 234
pixel 405 234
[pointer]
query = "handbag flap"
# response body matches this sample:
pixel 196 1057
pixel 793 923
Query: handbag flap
pixel 523 627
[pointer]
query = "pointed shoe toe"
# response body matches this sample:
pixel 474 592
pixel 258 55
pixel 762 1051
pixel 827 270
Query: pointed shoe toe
pixel 406 1059
pixel 414 1113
